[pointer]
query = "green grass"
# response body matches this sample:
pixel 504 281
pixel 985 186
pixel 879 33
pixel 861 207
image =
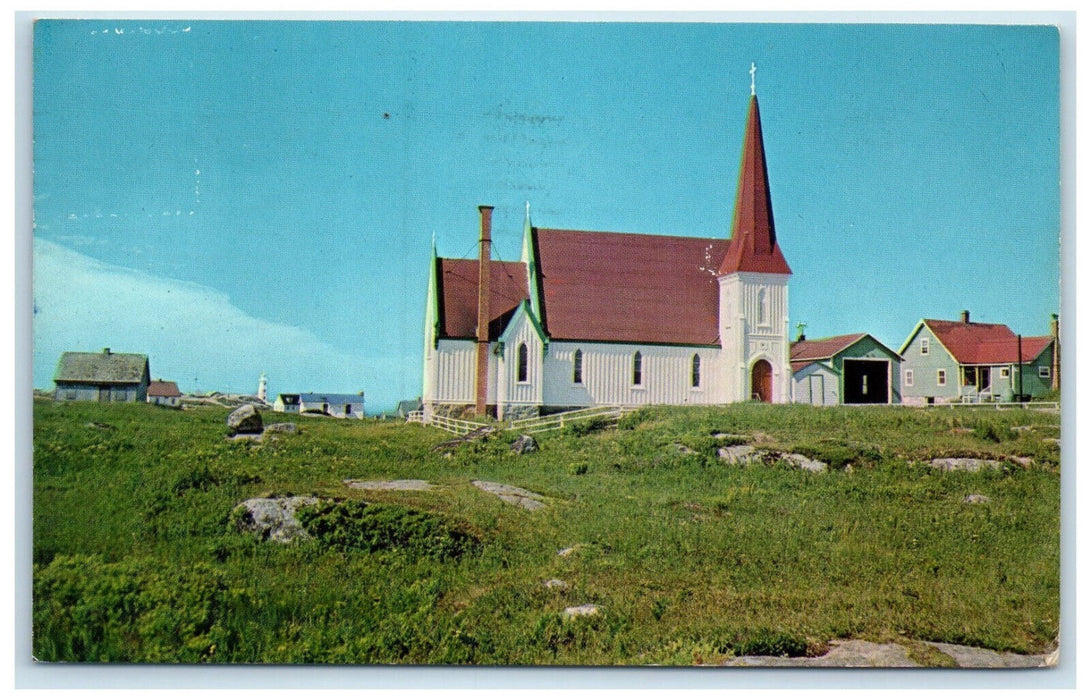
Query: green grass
pixel 137 556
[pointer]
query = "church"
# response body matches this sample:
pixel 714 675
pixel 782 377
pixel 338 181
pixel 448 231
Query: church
pixel 588 318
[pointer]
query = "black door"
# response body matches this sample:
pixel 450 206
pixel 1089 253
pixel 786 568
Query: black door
pixel 867 381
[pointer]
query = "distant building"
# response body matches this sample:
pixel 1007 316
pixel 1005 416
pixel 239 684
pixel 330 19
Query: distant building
pixel 263 388
pixel 845 369
pixel 336 405
pixel 961 360
pixel 102 376
pixel 286 403
pixel 164 393
pixel 406 407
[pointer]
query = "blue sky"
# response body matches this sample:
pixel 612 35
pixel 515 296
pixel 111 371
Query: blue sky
pixel 239 197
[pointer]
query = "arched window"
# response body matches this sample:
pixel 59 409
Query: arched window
pixel 638 369
pixel 577 367
pixel 521 367
pixel 695 372
pixel 763 307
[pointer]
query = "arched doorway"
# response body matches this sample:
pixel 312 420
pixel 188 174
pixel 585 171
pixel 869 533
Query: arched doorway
pixel 761 382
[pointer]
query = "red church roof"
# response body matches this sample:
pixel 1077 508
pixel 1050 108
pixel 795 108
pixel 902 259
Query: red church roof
pixel 753 239
pixel 629 288
pixel 985 343
pixel 457 280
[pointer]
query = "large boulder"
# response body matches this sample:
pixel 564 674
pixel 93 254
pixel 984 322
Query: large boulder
pixel 272 518
pixel 245 420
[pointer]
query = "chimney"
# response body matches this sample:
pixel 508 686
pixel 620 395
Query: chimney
pixel 1055 333
pixel 484 255
pixel 965 316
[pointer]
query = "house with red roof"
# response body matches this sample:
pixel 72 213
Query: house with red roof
pixel 845 369
pixel 965 360
pixel 588 318
pixel 164 393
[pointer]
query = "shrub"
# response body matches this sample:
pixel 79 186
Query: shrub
pixel 990 432
pixel 586 427
pixel 765 642
pixel 359 526
pixel 134 610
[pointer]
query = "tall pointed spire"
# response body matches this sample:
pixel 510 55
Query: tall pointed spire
pixel 753 246
pixel 530 259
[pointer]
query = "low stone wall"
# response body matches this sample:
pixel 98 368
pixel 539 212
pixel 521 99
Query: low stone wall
pixel 461 411
pixel 520 412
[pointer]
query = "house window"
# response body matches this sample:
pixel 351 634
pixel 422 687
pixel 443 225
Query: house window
pixel 1005 372
pixel 924 346
pixel 521 367
pixel 1043 372
pixel 695 372
pixel 909 377
pixel 941 377
pixel 638 369
pixel 577 367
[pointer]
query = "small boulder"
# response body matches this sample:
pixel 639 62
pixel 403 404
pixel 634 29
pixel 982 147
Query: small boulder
pixel 805 463
pixel 740 454
pixel 968 464
pixel 395 485
pixel 245 420
pixel 555 583
pixel 976 498
pixel 283 428
pixel 524 444
pixel 581 610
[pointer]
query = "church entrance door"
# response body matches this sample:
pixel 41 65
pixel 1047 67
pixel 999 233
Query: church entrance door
pixel 761 382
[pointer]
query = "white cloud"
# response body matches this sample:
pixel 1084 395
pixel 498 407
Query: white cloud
pixel 192 334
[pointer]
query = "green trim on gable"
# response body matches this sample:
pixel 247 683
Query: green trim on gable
pixel 522 310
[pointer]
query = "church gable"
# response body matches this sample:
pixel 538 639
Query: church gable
pixel 457 281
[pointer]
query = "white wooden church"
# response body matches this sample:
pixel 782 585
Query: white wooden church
pixel 589 318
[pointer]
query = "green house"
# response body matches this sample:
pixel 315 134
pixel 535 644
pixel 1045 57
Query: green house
pixel 964 361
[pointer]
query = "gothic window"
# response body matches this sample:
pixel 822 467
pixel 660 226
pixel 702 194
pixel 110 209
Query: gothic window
pixel 638 369
pixel 521 367
pixel 695 372
pixel 763 307
pixel 577 367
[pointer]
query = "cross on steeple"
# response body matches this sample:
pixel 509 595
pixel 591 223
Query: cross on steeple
pixel 753 70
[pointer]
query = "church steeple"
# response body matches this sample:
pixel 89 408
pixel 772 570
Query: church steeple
pixel 753 246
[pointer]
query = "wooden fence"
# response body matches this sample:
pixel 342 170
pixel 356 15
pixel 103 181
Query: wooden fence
pixel 539 424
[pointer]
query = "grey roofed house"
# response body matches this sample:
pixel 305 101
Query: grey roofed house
pixel 408 406
pixel 338 405
pixel 102 376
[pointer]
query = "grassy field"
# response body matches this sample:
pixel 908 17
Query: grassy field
pixel 137 556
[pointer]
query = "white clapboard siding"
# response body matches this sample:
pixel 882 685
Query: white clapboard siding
pixel 608 374
pixel 455 367
pixel 511 390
